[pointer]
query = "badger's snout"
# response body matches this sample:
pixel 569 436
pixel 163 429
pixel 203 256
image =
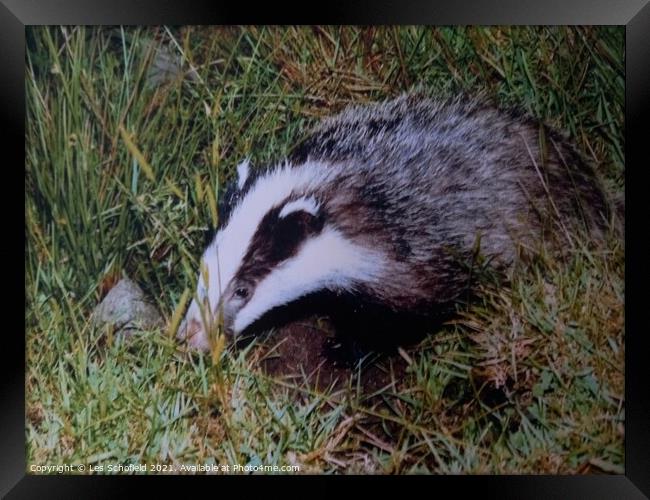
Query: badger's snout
pixel 194 330
pixel 194 333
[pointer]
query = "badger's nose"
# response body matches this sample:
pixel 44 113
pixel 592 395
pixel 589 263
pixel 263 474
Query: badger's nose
pixel 187 328
pixel 192 331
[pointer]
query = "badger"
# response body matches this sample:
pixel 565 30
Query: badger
pixel 381 207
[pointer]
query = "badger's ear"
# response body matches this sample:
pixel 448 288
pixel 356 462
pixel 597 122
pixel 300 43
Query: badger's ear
pixel 298 218
pixel 304 204
pixel 242 173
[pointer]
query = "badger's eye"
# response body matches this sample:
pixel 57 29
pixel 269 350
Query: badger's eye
pixel 242 293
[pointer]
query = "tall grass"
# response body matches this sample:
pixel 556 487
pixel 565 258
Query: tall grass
pixel 129 135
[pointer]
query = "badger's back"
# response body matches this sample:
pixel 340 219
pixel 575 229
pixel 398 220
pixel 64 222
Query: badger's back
pixel 433 179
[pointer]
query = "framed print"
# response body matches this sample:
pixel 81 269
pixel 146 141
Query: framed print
pixel 386 242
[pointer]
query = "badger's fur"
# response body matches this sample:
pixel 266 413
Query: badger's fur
pixel 384 205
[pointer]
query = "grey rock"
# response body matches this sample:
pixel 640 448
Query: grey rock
pixel 127 309
pixel 168 66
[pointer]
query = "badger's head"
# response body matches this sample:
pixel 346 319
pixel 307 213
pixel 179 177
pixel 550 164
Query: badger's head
pixel 281 242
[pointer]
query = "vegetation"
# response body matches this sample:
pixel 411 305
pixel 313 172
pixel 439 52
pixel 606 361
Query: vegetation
pixel 130 133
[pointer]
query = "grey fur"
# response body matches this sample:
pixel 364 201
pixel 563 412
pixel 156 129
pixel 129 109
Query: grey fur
pixel 424 179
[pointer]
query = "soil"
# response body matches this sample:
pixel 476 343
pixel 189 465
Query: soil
pixel 308 352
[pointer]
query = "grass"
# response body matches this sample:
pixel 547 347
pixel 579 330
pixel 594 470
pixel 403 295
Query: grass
pixel 130 133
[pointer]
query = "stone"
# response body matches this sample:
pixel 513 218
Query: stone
pixel 127 309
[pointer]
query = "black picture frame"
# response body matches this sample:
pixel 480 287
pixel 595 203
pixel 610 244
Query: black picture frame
pixel 15 15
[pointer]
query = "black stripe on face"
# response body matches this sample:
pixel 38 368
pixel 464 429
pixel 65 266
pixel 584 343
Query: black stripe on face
pixel 276 240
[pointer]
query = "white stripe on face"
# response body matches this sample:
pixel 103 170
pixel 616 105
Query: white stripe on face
pixel 327 261
pixel 226 253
